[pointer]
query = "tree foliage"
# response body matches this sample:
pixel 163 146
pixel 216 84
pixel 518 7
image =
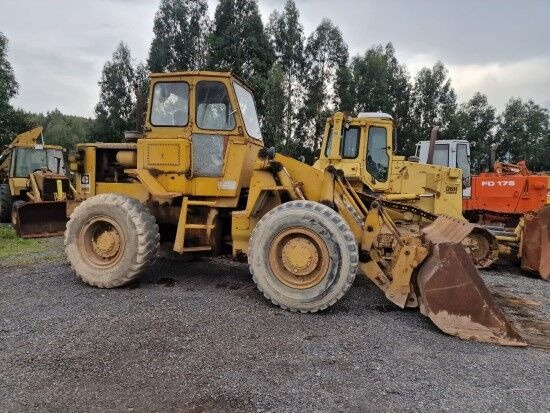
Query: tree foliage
pixel 287 36
pixel 239 43
pixel 8 85
pixel 475 121
pixel 433 103
pixel 180 30
pixel 12 121
pixel 377 82
pixel 326 54
pixel 64 130
pixel 119 87
pixel 274 126
pixel 523 134
pixel 298 82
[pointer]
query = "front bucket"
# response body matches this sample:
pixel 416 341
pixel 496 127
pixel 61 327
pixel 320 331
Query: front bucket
pixel 535 250
pixel 454 297
pixel 41 219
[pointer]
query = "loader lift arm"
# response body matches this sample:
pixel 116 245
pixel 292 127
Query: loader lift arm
pixel 412 269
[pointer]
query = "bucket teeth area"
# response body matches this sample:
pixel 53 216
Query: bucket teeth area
pixel 447 229
pixel 455 298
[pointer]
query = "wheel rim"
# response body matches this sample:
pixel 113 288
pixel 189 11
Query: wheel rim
pixel 102 242
pixel 299 257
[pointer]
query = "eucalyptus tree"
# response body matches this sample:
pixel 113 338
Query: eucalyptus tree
pixel 180 30
pixel 287 36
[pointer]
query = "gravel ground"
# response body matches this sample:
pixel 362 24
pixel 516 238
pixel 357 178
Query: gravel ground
pixel 199 337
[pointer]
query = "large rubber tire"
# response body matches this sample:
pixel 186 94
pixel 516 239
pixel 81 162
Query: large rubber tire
pixel 336 235
pixel 6 202
pixel 135 228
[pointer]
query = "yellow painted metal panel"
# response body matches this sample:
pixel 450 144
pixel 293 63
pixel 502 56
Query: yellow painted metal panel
pixel 163 154
pixel 133 190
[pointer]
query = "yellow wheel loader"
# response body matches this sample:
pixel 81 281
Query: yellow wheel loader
pixel 33 186
pixel 201 180
pixel 363 147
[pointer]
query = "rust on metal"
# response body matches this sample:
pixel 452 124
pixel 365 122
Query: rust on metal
pixel 454 297
pixel 482 245
pixel 535 248
pixel 41 219
pixel 102 241
pixel 299 257
pixel 447 229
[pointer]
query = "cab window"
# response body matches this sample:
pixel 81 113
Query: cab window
pixel 350 142
pixel 329 142
pixel 213 107
pixel 170 104
pixel 462 159
pixel 55 161
pixel 377 154
pixel 441 154
pixel 29 160
pixel 248 111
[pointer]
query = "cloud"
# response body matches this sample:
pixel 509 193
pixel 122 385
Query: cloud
pixel 499 47
pixel 528 79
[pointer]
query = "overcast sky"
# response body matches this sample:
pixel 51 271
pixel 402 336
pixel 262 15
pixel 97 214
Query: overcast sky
pixel 499 47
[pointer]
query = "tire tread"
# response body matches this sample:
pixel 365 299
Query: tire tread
pixel 147 232
pixel 343 227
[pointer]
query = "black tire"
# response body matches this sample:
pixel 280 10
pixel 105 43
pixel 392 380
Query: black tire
pixel 135 229
pixel 6 202
pixel 335 234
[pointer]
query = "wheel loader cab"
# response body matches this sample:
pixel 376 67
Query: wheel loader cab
pixel 201 136
pixel 26 160
pixel 361 147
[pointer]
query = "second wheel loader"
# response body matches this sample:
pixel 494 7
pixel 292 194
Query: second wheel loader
pixel 34 187
pixel 201 180
pixel 363 147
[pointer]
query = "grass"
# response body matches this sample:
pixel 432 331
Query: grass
pixel 11 245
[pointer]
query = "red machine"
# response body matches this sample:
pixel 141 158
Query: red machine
pixel 506 194
pixel 514 203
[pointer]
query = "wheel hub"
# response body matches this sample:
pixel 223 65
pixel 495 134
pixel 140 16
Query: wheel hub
pixel 102 242
pixel 106 243
pixel 299 257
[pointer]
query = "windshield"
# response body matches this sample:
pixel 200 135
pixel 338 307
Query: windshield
pixel 170 104
pixel 248 110
pixel 213 107
pixel 28 160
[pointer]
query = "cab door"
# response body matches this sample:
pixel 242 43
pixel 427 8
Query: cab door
pixel 377 156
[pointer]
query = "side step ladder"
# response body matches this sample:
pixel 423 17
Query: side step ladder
pixel 183 226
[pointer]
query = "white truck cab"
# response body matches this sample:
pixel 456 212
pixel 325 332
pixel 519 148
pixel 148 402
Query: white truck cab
pixel 454 153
